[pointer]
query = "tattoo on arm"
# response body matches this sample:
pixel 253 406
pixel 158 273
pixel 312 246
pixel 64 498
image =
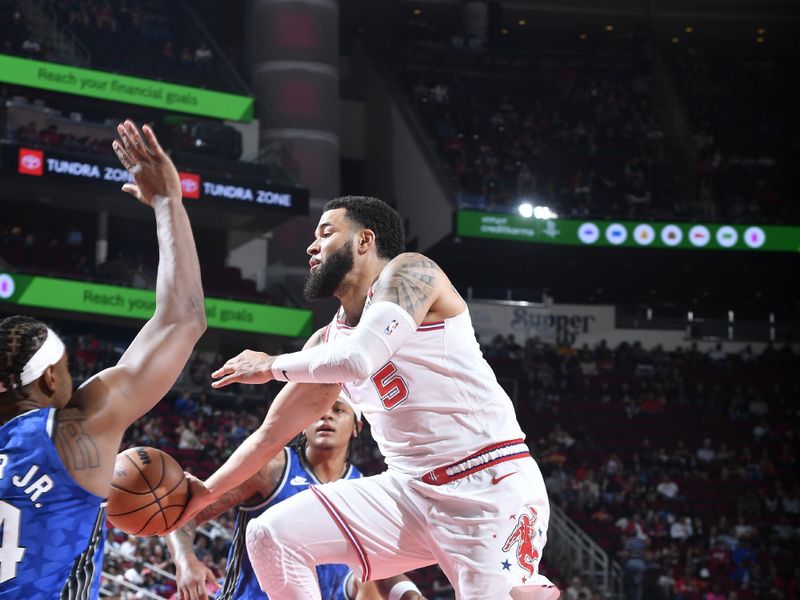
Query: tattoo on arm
pixel 181 541
pixel 75 446
pixel 411 284
pixel 227 501
pixel 253 488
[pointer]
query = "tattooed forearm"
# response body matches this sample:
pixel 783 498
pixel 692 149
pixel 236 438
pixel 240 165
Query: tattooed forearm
pixel 75 446
pixel 229 500
pixel 410 284
pixel 181 542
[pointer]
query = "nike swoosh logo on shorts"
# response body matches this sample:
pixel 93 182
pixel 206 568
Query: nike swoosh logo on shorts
pixel 496 480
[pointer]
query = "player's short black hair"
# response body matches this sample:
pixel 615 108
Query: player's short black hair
pixel 20 338
pixel 372 213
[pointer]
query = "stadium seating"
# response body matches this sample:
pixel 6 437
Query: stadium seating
pixel 585 132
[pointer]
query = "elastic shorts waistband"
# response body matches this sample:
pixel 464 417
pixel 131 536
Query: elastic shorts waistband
pixel 482 459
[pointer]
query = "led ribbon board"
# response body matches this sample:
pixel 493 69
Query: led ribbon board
pixel 225 190
pixel 117 301
pixel 628 234
pixel 123 88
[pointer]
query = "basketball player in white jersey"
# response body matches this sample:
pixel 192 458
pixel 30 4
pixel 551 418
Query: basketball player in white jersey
pixel 461 488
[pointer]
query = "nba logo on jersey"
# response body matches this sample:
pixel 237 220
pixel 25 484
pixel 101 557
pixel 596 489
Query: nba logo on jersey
pixel 391 327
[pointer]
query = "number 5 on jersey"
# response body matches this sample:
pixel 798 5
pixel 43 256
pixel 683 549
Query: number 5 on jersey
pixel 391 387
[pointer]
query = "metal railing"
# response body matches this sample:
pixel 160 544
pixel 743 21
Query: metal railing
pixel 225 69
pixel 573 552
pixel 45 27
pixel 143 592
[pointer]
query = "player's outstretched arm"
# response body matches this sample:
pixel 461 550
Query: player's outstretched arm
pixel 90 429
pixel 408 287
pixel 148 369
pixel 295 407
pixel 191 574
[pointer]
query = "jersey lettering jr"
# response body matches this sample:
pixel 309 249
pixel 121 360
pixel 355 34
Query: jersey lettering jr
pixel 51 529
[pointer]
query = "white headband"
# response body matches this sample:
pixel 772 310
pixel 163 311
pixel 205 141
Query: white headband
pixel 343 397
pixel 49 354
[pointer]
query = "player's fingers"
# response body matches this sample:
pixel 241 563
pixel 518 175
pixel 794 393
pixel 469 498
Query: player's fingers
pixel 224 370
pixel 122 155
pixel 212 579
pixel 133 190
pixel 126 140
pixel 192 479
pixel 232 378
pixel 152 141
pixel 140 149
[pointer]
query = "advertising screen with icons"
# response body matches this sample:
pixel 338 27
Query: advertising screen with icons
pixel 629 234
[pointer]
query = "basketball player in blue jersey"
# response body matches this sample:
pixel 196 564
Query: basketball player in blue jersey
pixel 320 455
pixel 58 448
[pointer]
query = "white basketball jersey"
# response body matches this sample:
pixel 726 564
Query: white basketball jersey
pixel 436 401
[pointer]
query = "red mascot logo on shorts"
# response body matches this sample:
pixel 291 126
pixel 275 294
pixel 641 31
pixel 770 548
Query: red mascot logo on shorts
pixel 527 553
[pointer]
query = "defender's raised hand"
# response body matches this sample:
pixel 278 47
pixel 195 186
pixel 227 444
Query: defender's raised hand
pixel 152 170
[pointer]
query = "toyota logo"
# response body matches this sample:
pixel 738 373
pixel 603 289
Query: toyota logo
pixel 30 162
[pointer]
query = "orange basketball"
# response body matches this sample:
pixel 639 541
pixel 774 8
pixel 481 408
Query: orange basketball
pixel 148 491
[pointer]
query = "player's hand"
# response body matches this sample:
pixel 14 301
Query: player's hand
pixel 247 367
pixel 195 580
pixel 152 170
pixel 199 498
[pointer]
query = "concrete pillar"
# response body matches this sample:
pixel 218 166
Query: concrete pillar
pixel 293 48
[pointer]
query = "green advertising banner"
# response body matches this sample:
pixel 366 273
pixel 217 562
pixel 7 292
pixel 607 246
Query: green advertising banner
pixel 122 88
pixel 628 234
pixel 117 301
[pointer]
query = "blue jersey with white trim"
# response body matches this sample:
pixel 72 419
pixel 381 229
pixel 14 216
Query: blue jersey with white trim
pixel 51 529
pixel 240 579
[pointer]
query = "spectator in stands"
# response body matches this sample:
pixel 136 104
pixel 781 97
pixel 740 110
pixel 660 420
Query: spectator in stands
pixel 706 453
pixel 668 488
pixel 633 555
pixel 187 437
pixel 185 405
pixel 577 590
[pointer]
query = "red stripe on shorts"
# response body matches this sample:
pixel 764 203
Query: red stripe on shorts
pixel 351 536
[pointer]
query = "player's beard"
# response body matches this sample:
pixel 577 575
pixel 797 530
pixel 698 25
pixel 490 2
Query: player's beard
pixel 323 282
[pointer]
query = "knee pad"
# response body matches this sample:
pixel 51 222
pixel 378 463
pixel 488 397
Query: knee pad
pixel 266 553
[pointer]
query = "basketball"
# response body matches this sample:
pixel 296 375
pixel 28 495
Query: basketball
pixel 148 491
